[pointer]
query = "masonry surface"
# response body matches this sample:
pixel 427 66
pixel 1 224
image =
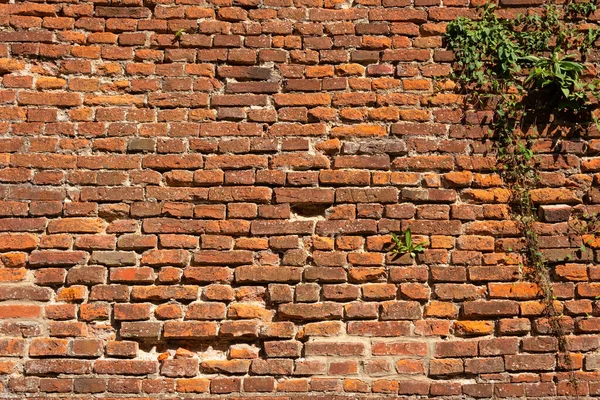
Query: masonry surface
pixel 196 199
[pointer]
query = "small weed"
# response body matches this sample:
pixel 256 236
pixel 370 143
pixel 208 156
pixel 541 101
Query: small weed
pixel 580 9
pixel 179 34
pixel 405 244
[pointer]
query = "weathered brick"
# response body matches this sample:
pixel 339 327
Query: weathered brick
pixel 528 362
pixel 125 367
pixel 316 311
pixel 179 368
pixel 58 366
pixel 190 330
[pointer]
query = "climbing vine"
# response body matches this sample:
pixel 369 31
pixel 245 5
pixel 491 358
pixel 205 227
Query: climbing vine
pixel 531 72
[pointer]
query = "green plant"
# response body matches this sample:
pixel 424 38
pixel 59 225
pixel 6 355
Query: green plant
pixel 179 34
pixel 405 244
pixel 580 9
pixel 483 55
pixel 591 35
pixel 561 75
pixel 491 52
pixel 530 70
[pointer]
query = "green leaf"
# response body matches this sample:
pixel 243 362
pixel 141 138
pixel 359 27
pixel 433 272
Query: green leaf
pixel 531 59
pixel 406 245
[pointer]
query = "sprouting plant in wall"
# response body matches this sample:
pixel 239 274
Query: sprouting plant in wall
pixel 561 75
pixel 404 244
pixel 179 34
pixel 580 9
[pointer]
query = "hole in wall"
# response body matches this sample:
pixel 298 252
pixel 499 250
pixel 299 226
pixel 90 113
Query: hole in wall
pixel 309 210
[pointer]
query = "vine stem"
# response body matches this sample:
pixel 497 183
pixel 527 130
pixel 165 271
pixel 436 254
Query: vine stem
pixel 510 66
pixel 523 68
pixel 527 218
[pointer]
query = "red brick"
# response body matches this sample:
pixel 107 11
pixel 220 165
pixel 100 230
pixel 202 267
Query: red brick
pixel 58 366
pixel 125 367
pixel 190 330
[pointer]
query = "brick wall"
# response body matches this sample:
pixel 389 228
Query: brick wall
pixel 208 213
